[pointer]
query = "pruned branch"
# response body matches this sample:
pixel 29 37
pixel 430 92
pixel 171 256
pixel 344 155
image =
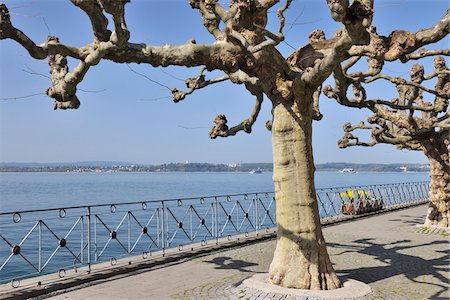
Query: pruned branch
pixel 98 20
pixel 401 43
pixel 400 81
pixel 380 134
pixel 425 53
pixel 221 128
pixel 194 84
pixel 356 18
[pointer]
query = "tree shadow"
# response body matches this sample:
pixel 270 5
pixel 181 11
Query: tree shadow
pixel 410 266
pixel 227 263
pixel 413 220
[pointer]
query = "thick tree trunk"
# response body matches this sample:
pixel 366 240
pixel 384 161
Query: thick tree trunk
pixel 438 210
pixel 300 259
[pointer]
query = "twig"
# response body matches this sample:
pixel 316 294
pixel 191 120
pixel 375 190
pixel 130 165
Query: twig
pixel 155 99
pixel 92 91
pixel 46 25
pixel 148 78
pixel 173 76
pixel 35 73
pixel 22 97
pixel 191 128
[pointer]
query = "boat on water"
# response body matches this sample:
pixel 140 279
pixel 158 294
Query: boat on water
pixel 256 171
pixel 347 170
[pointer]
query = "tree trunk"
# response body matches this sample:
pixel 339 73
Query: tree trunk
pixel 300 260
pixel 438 156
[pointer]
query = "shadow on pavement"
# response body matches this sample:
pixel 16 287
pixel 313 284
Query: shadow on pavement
pixel 224 262
pixel 411 266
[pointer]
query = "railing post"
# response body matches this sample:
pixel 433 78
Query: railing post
pixel 257 214
pixel 40 246
pixel 89 246
pixel 129 232
pixel 216 220
pixel 163 218
pixel 82 239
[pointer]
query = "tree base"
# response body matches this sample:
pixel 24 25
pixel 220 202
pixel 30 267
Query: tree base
pixel 351 289
pixel 436 218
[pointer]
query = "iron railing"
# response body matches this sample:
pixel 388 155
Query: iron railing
pixel 37 242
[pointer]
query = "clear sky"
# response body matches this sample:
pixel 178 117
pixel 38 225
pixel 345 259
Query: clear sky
pixel 118 122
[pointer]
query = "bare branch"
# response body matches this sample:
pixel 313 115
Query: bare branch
pixel 356 18
pixel 350 63
pixel 194 84
pixel 121 34
pixel 348 140
pixel 375 67
pixel 7 30
pixel 317 115
pixel 401 43
pixel 98 20
pixel 400 81
pixel 280 14
pixel 221 128
pixel 424 53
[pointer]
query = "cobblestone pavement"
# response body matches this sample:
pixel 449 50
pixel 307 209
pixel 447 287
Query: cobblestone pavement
pixel 397 259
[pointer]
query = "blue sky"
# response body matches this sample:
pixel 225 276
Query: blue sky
pixel 120 123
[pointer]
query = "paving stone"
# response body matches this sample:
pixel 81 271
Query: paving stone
pixel 388 252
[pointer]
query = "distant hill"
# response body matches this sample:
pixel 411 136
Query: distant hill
pixel 65 164
pixel 114 166
pixel 373 167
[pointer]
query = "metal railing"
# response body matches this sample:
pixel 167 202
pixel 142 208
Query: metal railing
pixel 37 242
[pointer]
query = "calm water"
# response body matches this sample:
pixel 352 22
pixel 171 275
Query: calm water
pixel 28 191
pixel 24 191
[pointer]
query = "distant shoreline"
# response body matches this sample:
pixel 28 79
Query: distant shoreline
pixel 103 167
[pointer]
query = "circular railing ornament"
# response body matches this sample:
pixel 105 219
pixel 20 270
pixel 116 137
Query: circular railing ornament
pixel 144 230
pixel 15 283
pixel 144 205
pixel 62 242
pixel 113 261
pixel 113 208
pixel 62 213
pixel 15 250
pixel 113 235
pixel 17 217
pixel 62 273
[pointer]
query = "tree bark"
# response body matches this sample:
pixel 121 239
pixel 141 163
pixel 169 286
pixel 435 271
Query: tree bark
pixel 438 155
pixel 300 260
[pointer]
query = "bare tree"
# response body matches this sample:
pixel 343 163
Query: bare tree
pixel 245 51
pixel 408 122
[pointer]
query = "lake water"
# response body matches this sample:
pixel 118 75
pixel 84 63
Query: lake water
pixel 26 191
pixel 187 221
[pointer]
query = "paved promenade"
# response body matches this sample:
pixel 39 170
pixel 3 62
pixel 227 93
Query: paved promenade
pixel 386 251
